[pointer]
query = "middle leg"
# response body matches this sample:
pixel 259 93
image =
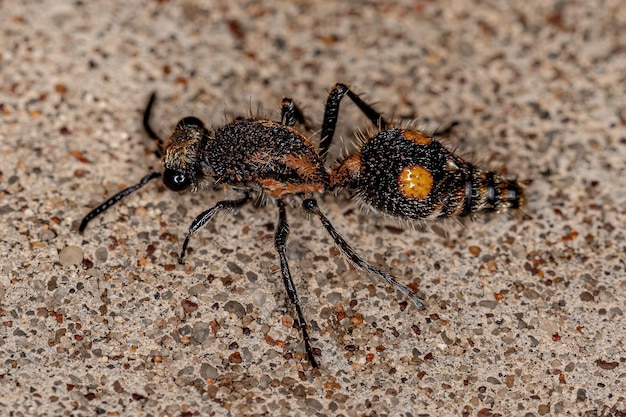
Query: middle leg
pixel 280 241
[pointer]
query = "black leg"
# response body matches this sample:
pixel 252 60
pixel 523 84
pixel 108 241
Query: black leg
pixel 331 113
pixel 148 128
pixel 201 220
pixel 290 113
pixel 280 240
pixel 311 206
pixel 117 197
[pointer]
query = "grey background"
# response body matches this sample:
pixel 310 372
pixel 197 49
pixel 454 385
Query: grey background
pixel 526 313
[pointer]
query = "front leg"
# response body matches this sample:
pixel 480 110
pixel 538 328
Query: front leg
pixel 280 241
pixel 200 221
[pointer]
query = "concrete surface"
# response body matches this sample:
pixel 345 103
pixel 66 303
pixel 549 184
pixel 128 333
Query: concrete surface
pixel 525 313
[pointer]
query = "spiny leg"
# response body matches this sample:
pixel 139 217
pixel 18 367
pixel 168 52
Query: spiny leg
pixel 311 206
pixel 117 197
pixel 280 241
pixel 331 114
pixel 290 113
pixel 201 220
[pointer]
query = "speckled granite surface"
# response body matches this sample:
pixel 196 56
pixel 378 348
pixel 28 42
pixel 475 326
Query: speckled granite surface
pixel 526 314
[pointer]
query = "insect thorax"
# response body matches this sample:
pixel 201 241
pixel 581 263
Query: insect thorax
pixel 274 157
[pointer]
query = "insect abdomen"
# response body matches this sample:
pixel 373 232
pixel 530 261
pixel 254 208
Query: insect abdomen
pixel 492 192
pixel 407 174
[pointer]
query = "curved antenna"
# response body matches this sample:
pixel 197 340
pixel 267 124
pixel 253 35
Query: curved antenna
pixel 148 128
pixel 117 197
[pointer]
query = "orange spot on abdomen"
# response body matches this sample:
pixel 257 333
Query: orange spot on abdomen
pixel 417 137
pixel 415 182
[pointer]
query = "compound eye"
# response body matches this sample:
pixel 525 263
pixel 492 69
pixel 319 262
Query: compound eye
pixel 190 121
pixel 176 180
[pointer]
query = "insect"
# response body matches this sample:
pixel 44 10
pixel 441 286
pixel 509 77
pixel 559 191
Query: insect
pixel 402 173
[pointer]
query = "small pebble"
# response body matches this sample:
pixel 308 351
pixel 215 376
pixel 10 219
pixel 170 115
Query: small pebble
pixel 258 299
pixel 235 307
pixel 251 276
pixel 46 235
pixel 313 403
pixel 208 371
pixel 197 289
pixel 71 255
pixel 299 391
pixel 189 306
pixel 488 303
pixel 60 293
pixel 234 268
pixel 102 254
pixel 474 250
